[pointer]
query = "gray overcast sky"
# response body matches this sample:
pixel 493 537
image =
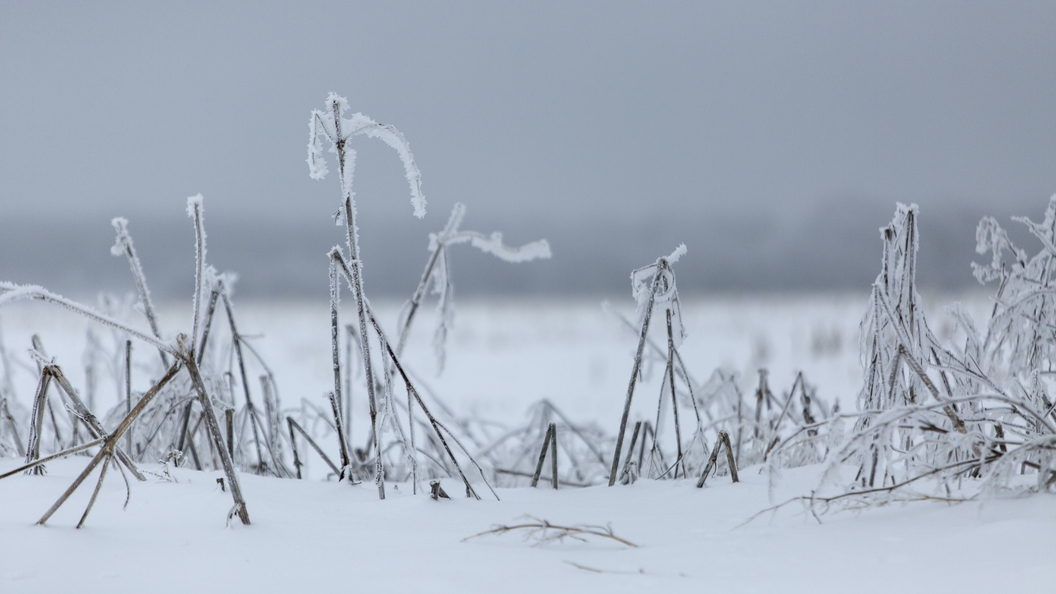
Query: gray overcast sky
pixel 773 138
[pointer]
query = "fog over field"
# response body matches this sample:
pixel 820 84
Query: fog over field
pixel 773 139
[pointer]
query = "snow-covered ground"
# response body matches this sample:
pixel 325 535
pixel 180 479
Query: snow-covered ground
pixel 322 537
pixel 311 536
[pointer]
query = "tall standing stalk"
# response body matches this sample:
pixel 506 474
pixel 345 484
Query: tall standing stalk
pixel 357 285
pixel 635 369
pixel 351 232
pixel 338 131
pixel 651 286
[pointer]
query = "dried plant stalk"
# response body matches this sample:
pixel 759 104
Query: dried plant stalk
pixel 553 456
pixel 37 421
pixel 335 396
pixel 293 425
pixel 635 370
pixel 94 426
pixel 723 441
pixel 346 460
pixel 542 454
pixel 124 245
pixel 213 429
pixel 111 441
pixel 251 410
pixel 544 532
pixel 352 276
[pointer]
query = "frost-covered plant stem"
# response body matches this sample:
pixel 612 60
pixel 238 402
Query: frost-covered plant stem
pixel 346 404
pixel 124 245
pixel 346 462
pixel 213 427
pixel 635 370
pixel 414 446
pixel 36 418
pixel 352 275
pixel 210 310
pixel 543 531
pixel 416 300
pixel 723 441
pixel 352 238
pixel 354 278
pixel 432 420
pixel 194 210
pixel 549 443
pixel 336 398
pixel 332 126
pixel 110 444
pixel 13 292
pixel 630 453
pixel 437 272
pixel 128 388
pixel 318 450
pixel 251 411
pixel 293 446
pixel 674 398
pixel 82 412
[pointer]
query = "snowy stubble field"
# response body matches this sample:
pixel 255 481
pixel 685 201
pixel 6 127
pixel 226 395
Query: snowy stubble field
pixel 504 356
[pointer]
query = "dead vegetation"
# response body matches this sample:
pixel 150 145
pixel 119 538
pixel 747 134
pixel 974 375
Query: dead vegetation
pixel 936 419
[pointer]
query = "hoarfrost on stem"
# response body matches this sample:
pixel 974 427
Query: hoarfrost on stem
pixel 337 131
pixel 665 294
pixel 437 273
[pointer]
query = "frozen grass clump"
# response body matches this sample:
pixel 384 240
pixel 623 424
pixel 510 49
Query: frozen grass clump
pixel 956 420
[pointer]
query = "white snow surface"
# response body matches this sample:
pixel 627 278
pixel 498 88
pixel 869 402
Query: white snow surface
pixel 314 536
